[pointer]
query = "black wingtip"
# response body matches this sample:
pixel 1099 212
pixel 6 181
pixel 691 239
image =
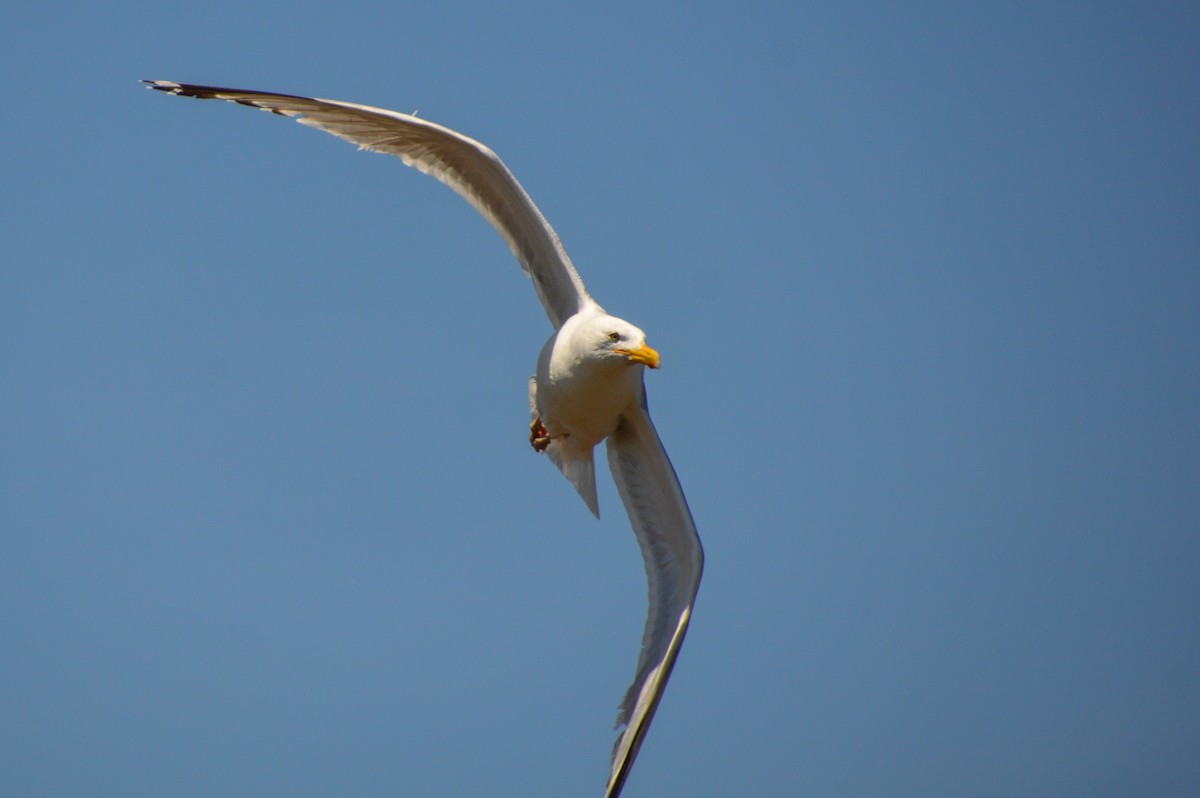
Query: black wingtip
pixel 187 89
pixel 162 85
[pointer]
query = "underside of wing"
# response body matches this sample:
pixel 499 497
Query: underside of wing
pixel 674 560
pixel 463 164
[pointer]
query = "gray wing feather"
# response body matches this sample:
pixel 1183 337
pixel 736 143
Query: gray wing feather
pixel 644 476
pixel 674 560
pixel 463 164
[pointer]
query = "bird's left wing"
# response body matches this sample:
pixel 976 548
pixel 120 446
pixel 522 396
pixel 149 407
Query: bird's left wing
pixel 674 559
pixel 475 172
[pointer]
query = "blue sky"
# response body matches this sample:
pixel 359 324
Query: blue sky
pixel 925 282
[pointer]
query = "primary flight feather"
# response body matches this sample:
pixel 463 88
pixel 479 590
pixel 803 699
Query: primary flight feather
pixel 588 384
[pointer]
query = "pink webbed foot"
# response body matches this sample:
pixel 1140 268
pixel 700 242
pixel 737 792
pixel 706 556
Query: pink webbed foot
pixel 539 436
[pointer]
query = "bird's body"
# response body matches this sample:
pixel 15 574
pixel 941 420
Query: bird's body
pixel 587 386
pixel 584 381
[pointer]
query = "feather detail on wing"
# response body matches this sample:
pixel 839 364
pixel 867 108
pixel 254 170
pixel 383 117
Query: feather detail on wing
pixel 465 165
pixel 674 562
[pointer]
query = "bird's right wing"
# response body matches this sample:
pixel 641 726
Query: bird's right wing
pixel 674 561
pixel 463 164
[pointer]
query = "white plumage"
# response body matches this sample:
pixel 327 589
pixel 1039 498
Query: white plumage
pixel 588 385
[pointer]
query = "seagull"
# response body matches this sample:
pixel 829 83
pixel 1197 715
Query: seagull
pixel 588 386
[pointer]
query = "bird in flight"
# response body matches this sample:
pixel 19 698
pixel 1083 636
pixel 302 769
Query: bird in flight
pixel 588 386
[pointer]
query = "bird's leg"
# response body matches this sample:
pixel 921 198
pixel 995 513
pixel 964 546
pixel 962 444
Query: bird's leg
pixel 539 436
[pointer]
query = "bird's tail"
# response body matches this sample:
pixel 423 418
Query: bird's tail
pixel 580 469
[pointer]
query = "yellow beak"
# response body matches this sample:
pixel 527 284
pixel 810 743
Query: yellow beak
pixel 642 354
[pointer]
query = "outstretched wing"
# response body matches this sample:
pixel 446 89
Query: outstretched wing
pixel 463 164
pixel 674 561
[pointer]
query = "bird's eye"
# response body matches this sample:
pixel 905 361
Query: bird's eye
pixel 613 336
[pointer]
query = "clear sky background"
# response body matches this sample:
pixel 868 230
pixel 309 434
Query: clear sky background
pixel 926 282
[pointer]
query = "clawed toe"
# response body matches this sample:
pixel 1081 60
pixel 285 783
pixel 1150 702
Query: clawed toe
pixel 539 436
